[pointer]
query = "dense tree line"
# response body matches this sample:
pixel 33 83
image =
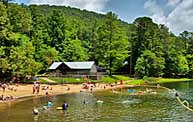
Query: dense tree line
pixel 32 37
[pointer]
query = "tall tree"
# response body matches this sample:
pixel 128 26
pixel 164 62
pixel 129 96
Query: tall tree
pixel 149 65
pixel 22 62
pixel 57 29
pixel 74 51
pixel 20 19
pixel 144 37
pixel 112 46
pixel 5 27
pixel 5 1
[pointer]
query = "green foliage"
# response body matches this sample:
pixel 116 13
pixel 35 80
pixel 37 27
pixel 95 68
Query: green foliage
pixel 189 58
pixel 47 55
pixel 111 49
pixel 20 19
pixel 22 62
pixel 149 65
pixel 4 65
pixel 56 30
pixel 4 26
pixel 74 51
pixel 176 63
pixel 32 37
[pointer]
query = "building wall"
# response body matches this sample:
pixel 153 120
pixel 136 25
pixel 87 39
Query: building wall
pixel 93 69
pixel 64 71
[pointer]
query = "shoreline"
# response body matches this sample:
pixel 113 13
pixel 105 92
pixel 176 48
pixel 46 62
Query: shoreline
pixel 24 91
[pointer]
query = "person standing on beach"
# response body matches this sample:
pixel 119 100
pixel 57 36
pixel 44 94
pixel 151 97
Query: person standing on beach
pixel 38 88
pixel 34 89
pixel 4 87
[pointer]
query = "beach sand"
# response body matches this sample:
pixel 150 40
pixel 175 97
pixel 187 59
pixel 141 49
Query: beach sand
pixel 24 91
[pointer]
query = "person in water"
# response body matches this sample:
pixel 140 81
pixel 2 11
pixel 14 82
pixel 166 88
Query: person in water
pixel 49 104
pixel 35 111
pixel 64 106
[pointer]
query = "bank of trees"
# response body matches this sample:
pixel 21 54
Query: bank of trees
pixel 32 37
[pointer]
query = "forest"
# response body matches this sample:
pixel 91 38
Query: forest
pixel 32 37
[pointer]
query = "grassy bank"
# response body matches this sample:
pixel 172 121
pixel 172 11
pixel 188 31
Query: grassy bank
pixel 117 78
pixel 157 80
pixel 114 78
pixel 166 80
pixel 67 80
pixel 108 79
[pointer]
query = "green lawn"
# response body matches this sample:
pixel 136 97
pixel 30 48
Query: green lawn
pixel 158 80
pixel 136 82
pixel 67 80
pixel 166 80
pixel 114 78
pixel 42 81
pixel 117 78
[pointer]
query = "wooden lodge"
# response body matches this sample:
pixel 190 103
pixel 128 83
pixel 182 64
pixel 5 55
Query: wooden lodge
pixel 76 69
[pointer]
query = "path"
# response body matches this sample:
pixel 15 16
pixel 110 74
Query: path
pixel 48 80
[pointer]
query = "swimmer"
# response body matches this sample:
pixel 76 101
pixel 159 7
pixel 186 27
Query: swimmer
pixel 46 107
pixel 64 106
pixel 140 92
pixel 99 101
pixel 47 94
pixel 91 89
pixel 84 102
pixel 176 94
pixel 49 104
pixel 35 111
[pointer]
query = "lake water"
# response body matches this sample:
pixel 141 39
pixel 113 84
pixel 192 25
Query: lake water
pixel 119 106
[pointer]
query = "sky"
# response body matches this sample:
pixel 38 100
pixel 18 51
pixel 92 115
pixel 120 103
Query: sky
pixel 175 14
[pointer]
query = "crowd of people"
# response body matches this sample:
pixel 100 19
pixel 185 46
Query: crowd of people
pixel 64 107
pixel 90 86
pixel 4 87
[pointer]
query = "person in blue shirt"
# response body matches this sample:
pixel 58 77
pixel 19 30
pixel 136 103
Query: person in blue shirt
pixel 49 104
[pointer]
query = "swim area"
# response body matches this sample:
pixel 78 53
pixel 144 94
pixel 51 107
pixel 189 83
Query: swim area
pixel 119 105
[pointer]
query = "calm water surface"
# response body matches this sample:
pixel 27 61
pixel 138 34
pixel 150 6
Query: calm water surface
pixel 117 107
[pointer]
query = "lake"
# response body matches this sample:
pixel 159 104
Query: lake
pixel 118 106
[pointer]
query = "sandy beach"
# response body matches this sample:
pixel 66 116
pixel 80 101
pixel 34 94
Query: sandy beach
pixel 26 90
